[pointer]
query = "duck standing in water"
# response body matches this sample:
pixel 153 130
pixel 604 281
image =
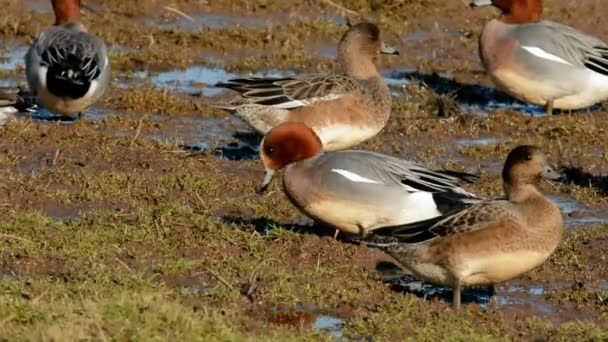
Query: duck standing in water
pixel 488 242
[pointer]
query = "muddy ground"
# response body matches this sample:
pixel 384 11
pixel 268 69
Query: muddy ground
pixel 140 221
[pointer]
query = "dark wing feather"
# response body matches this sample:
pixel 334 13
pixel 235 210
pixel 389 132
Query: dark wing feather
pixel 470 218
pixel 291 91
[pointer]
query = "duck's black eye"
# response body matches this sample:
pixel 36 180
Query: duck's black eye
pixel 529 157
pixel 269 150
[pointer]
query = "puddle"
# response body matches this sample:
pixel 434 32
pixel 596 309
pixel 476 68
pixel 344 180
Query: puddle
pixel 576 212
pixel 226 20
pixel 39 113
pixel 200 79
pixel 307 317
pixel 39 6
pixel 63 212
pixel 8 275
pixel 215 20
pixel 12 56
pixel 529 298
pixel 227 137
pixel 479 141
pixel 469 96
pixel 197 290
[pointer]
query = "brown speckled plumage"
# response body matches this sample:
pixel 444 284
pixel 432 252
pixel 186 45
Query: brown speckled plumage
pixel 488 242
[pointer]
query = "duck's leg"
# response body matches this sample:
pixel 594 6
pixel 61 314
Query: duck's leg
pixel 79 115
pixel 456 294
pixel 549 108
pixel 336 233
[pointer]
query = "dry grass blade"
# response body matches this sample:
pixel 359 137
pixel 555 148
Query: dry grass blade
pixel 180 13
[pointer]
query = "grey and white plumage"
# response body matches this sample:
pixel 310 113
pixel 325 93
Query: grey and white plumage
pixel 541 61
pixel 67 68
pixel 359 191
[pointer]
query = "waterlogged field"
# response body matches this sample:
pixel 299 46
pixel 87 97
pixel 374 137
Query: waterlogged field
pixel 140 221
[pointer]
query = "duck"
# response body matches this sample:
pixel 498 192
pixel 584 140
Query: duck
pixel 67 68
pixel 356 191
pixel 345 107
pixel 483 243
pixel 540 61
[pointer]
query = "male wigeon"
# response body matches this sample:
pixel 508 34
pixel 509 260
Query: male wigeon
pixel 540 61
pixel 66 67
pixel 488 242
pixel 344 108
pixel 356 191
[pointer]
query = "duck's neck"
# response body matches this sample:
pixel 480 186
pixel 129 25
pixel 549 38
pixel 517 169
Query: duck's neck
pixel 356 66
pixel 520 192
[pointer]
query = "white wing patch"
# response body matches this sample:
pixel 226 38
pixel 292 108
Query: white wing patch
pixel 305 102
pixel 540 53
pixel 353 177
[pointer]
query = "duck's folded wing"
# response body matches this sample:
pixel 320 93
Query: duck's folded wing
pixel 566 45
pixel 471 218
pixel 288 92
pixel 413 176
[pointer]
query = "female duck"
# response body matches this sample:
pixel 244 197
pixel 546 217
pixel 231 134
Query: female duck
pixel 540 61
pixel 344 108
pixel 67 68
pixel 488 242
pixel 357 191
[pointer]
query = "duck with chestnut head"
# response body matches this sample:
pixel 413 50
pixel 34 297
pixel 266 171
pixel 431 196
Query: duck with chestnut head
pixel 540 61
pixel 357 191
pixel 67 68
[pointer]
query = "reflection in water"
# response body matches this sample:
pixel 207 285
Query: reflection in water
pixel 307 317
pixel 532 298
pixel 469 96
pixel 201 79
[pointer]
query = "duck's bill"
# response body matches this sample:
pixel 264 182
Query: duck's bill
pixel 480 3
pixel 387 50
pixel 265 182
pixel 551 174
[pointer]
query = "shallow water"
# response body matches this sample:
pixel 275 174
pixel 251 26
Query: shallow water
pixel 199 79
pixel 576 212
pixel 307 317
pixel 516 296
pixel 12 56
pixel 468 142
pixel 40 6
pixel 225 20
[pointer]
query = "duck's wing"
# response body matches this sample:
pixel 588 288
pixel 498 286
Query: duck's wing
pixel 565 45
pixel 290 92
pixel 413 176
pixel 474 217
